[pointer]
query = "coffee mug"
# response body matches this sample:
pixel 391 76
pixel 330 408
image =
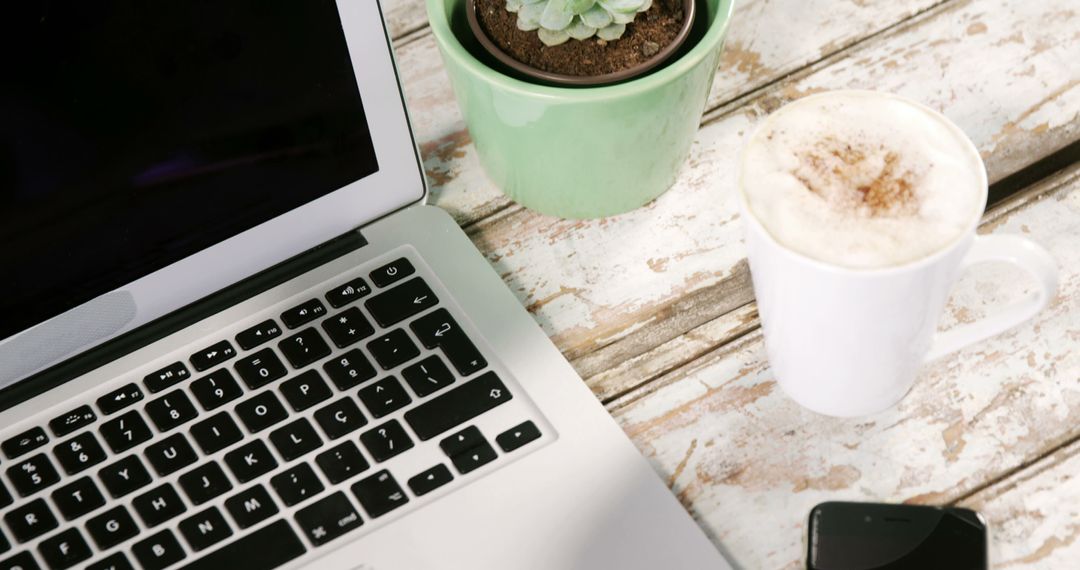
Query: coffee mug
pixel 849 342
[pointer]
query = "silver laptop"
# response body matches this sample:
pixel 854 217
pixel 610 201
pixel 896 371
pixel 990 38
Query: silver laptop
pixel 234 336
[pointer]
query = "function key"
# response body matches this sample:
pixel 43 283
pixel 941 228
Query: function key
pixel 395 270
pixel 65 549
pixel 32 474
pixel 79 452
pixel 518 436
pixel 251 506
pixel 304 347
pixel 168 376
pixel 170 410
pixel 303 313
pixel 348 293
pixel 438 329
pixel 401 302
pixel 71 421
pixel 328 519
pixel 260 368
pixel 430 479
pixel 25 442
pixel 212 355
pixel 258 334
pixel 379 494
pixel 30 520
pixel 119 399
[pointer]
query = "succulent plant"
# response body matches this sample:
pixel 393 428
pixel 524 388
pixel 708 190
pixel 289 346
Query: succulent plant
pixel 556 21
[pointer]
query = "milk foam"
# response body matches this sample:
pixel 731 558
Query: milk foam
pixel 861 180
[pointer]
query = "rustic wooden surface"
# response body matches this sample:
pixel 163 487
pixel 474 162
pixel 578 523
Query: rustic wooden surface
pixel 655 311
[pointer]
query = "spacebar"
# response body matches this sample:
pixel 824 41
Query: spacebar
pixel 266 548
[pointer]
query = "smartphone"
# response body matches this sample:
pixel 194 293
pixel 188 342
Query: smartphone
pixel 876 536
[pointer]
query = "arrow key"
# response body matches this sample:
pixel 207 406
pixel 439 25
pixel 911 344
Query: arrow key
pixel 473 458
pixel 518 436
pixel 431 479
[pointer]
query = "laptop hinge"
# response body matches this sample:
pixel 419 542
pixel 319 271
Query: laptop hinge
pixel 186 316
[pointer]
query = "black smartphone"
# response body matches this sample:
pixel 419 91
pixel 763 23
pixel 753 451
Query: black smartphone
pixel 876 536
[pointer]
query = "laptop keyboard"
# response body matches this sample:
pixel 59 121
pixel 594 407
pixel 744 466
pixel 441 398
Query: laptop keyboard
pixel 268 443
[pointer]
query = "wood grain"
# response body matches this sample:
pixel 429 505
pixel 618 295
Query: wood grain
pixel 742 457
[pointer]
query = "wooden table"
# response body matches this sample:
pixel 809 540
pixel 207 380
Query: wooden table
pixel 654 307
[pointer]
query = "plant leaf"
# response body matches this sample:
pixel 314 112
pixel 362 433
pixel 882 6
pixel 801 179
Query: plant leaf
pixel 612 32
pixel 552 37
pixel 529 17
pixel 557 15
pixel 513 5
pixel 645 6
pixel 580 31
pixel 623 6
pixel 621 18
pixel 597 17
pixel 579 7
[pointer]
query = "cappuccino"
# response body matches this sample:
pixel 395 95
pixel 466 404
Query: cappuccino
pixel 861 180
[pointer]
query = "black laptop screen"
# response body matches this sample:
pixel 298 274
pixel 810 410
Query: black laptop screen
pixel 134 134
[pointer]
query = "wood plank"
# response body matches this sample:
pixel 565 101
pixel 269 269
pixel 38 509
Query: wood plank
pixel 403 16
pixel 753 58
pixel 676 263
pixel 743 457
pixel 1034 516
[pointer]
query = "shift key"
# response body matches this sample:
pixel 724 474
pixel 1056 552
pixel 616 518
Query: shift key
pixel 458 406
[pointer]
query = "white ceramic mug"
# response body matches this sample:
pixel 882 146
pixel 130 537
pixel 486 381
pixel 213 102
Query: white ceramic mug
pixel 850 342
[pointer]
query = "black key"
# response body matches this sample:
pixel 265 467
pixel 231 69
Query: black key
pixel 261 411
pixel 439 329
pixel 304 347
pixel 295 439
pixel 4 544
pixel 386 440
pixel 115 561
pixel 297 484
pixel 158 551
pixel 204 483
pixel 379 494
pixel 64 550
pixel 340 418
pixel 21 561
pixel 328 518
pixel 250 461
pixel 216 389
pixel 430 479
pixel 25 442
pixel 158 505
pixel 70 422
pixel 205 529
pixel 518 436
pixel 349 369
pixel 212 355
pixel 32 474
pixel 5 496
pixel 251 506
pixel 125 431
pixel 112 527
pixel 393 348
pixel 394 271
pixel 124 476
pixel 347 293
pixel 401 302
pixel 473 458
pixel 465 439
pixel 79 452
pixel 31 520
pixel 384 397
pixel 428 376
pixel 170 454
pixel 347 327
pixel 261 368
pixel 119 399
pixel 169 376
pixel 216 433
pixel 303 313
pixel 341 462
pixel 170 410
pixel 258 334
pixel 78 498
pixel 458 406
pixel 268 547
pixel 305 390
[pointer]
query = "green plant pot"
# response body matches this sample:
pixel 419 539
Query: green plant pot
pixel 581 152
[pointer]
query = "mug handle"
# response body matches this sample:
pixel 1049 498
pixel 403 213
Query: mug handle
pixel 1026 255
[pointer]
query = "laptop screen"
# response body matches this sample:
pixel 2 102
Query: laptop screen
pixel 134 134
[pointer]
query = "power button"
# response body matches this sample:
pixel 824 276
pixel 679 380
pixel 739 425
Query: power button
pixel 391 272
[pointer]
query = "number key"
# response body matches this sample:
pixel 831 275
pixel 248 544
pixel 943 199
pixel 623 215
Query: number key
pixel 386 440
pixel 215 389
pixel 260 368
pixel 32 474
pixel 79 452
pixel 125 431
pixel 170 410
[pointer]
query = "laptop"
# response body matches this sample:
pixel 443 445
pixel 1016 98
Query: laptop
pixel 233 335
